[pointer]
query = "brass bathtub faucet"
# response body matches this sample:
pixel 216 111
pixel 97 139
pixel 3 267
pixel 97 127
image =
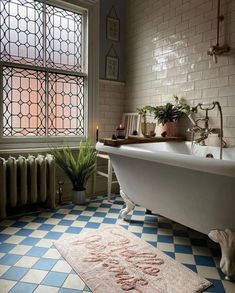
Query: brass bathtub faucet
pixel 205 131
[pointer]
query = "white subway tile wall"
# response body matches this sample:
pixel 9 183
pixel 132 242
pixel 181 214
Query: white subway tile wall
pixel 111 106
pixel 166 54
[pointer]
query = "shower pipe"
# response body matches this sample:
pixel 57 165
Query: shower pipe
pixel 216 50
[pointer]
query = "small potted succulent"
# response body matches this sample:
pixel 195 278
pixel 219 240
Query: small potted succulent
pixel 147 127
pixel 78 168
pixel 169 114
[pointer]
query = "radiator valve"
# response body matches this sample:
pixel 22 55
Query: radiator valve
pixel 60 191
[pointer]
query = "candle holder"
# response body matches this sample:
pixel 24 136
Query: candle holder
pixel 120 132
pixel 148 126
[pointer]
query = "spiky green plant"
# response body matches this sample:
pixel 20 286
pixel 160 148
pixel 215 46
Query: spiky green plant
pixel 78 168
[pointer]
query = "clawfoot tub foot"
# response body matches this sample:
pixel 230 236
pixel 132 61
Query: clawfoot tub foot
pixel 129 204
pixel 226 240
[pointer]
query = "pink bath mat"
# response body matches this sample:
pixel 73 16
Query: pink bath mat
pixel 112 260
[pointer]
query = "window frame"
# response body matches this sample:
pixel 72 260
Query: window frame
pixel 90 14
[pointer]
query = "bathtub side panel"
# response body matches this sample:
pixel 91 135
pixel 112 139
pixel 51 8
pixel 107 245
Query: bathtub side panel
pixel 196 199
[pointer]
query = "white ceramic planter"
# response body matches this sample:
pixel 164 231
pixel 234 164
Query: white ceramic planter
pixel 79 197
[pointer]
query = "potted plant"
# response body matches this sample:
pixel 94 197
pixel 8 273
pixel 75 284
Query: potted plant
pixel 147 128
pixel 78 168
pixel 169 114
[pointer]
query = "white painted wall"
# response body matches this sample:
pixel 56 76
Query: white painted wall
pixel 111 106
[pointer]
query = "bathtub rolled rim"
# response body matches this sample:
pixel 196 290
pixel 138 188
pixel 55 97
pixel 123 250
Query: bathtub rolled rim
pixel 188 161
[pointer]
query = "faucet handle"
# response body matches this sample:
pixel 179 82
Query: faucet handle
pixel 214 57
pixel 216 131
pixel 194 129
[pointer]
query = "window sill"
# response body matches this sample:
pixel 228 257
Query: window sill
pixel 37 147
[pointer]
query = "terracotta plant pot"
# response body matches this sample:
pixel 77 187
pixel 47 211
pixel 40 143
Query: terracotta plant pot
pixel 148 129
pixel 79 197
pixel 171 129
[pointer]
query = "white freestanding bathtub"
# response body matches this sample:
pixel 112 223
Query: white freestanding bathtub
pixel 186 187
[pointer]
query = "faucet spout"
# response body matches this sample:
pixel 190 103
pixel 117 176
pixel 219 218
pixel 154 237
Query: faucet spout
pixel 190 116
pixel 203 136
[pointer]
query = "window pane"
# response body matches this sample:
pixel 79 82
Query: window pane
pixel 36 102
pixel 21 26
pixel 23 102
pixel 63 39
pixel 66 105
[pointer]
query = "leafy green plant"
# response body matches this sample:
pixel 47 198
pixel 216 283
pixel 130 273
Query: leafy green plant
pixel 167 113
pixel 78 168
pixel 144 111
pixel 182 105
pixel 171 112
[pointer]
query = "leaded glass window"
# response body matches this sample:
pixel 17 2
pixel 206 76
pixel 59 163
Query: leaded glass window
pixel 66 105
pixel 21 31
pixel 41 61
pixel 23 102
pixel 63 39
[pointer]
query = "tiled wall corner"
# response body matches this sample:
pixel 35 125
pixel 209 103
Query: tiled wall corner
pixel 166 54
pixel 111 105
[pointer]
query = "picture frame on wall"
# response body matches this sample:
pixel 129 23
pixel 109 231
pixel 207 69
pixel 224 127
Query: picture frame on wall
pixel 112 29
pixel 111 67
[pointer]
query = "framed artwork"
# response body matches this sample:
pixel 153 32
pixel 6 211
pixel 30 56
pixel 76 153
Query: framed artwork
pixel 113 29
pixel 111 67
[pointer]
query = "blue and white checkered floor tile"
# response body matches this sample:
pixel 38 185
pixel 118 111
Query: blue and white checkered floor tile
pixel 30 263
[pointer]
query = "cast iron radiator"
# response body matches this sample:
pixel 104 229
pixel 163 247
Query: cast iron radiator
pixel 26 182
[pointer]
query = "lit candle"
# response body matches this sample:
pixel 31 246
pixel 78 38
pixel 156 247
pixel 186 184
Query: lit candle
pixel 97 133
pixel 120 131
pixel 120 127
